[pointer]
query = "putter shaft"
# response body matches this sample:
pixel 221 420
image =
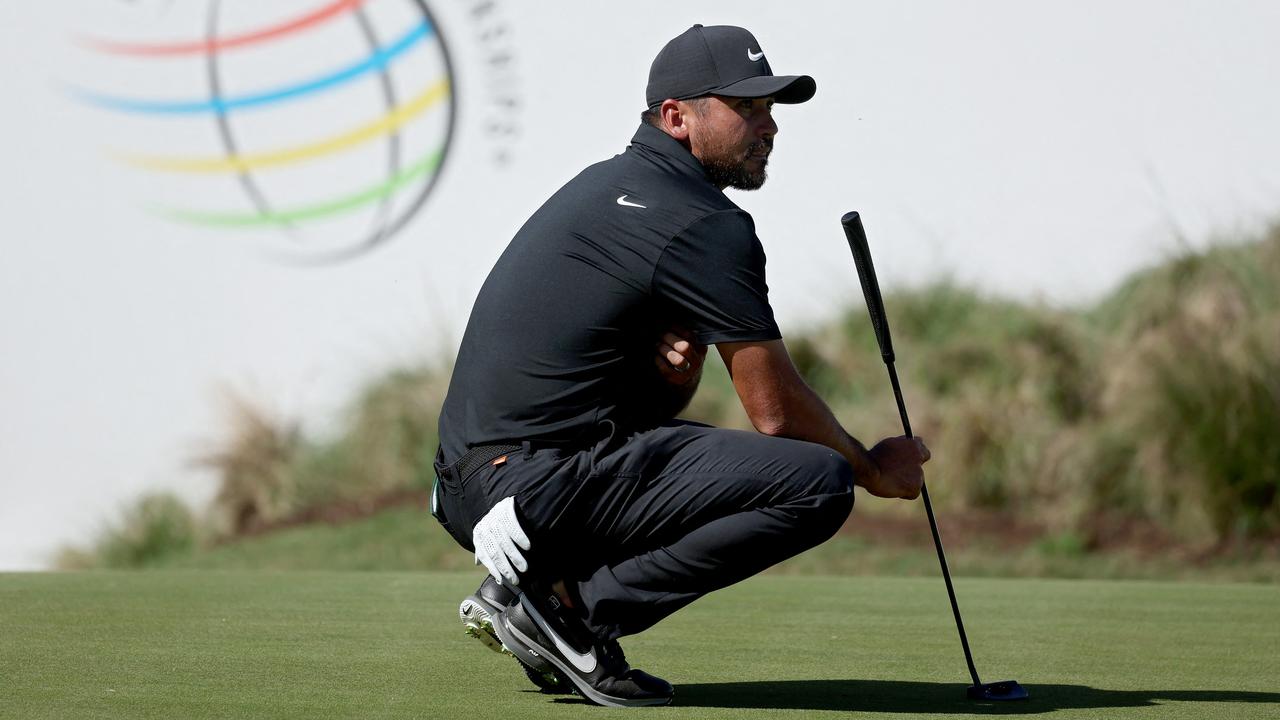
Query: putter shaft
pixel 857 237
pixel 933 527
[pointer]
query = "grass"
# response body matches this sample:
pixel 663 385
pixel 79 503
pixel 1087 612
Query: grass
pixel 197 644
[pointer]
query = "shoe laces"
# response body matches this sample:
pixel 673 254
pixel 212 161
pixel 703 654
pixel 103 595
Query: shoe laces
pixel 612 657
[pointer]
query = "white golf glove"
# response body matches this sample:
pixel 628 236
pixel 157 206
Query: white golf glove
pixel 499 538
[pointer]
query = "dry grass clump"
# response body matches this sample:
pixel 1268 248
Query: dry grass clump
pixel 270 474
pixel 1193 388
pixel 254 464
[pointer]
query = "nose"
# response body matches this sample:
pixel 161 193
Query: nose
pixel 767 128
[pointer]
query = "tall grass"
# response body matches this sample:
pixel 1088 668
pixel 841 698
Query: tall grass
pixel 158 526
pixel 1194 387
pixel 256 466
pixel 1160 404
pixel 271 474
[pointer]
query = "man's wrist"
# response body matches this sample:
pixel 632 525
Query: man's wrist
pixel 865 469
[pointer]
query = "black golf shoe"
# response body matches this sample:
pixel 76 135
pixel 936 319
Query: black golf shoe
pixel 598 670
pixel 480 613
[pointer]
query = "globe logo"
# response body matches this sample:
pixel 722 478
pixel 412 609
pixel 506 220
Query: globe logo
pixel 324 125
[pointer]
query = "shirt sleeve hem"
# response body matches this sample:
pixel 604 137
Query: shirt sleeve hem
pixel 752 335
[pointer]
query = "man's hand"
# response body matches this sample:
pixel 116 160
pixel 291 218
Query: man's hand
pixel 900 475
pixel 499 538
pixel 680 357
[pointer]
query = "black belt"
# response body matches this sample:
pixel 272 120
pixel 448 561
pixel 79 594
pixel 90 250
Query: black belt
pixel 477 457
pixel 455 475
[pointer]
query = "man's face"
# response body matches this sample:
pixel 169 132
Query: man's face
pixel 732 137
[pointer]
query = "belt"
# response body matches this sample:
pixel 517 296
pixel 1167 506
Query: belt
pixel 477 457
pixel 455 475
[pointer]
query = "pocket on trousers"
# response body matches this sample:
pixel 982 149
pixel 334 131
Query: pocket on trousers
pixel 470 504
pixel 450 518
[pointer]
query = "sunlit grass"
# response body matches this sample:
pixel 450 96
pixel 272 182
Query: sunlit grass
pixel 201 644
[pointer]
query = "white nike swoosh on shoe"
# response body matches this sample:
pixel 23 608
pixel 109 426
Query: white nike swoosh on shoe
pixel 585 663
pixel 624 201
pixel 753 57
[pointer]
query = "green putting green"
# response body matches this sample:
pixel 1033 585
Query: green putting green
pixel 192 644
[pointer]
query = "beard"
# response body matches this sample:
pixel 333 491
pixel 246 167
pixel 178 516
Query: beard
pixel 724 169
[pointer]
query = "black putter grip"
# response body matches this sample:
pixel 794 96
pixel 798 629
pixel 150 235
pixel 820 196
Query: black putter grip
pixel 870 286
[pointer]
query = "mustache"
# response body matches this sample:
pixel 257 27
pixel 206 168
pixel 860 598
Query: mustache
pixel 760 146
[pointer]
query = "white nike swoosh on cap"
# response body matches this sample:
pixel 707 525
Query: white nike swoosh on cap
pixel 753 56
pixel 623 201
pixel 585 663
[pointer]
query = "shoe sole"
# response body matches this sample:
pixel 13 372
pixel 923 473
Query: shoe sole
pixel 583 687
pixel 478 620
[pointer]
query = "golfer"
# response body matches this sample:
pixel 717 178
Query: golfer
pixel 561 464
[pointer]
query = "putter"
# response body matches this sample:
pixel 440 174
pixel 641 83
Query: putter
pixel 1005 689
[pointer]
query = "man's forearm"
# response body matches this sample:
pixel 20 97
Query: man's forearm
pixel 804 416
pixel 780 403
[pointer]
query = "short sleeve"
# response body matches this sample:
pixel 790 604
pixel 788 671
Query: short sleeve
pixel 712 274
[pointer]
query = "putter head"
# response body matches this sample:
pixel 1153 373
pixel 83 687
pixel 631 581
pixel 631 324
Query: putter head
pixel 1003 690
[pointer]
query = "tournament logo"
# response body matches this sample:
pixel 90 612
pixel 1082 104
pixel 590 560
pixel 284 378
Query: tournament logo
pixel 325 124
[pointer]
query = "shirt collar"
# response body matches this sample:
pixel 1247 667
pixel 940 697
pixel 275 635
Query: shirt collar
pixel 658 142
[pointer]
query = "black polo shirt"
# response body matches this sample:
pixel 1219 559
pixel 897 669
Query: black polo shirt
pixel 563 333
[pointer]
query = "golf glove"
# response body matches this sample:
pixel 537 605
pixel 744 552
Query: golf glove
pixel 499 539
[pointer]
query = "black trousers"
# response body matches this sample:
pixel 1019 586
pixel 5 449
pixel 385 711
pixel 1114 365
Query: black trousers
pixel 644 523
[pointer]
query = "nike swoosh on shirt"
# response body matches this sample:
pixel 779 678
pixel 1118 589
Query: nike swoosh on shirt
pixel 623 201
pixel 753 56
pixel 585 663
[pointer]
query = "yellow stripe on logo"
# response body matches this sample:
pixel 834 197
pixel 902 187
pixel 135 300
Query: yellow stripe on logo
pixel 234 163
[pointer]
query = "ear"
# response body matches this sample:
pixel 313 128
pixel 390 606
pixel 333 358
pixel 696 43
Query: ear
pixel 674 119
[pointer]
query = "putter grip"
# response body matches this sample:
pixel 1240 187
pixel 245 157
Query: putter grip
pixel 870 287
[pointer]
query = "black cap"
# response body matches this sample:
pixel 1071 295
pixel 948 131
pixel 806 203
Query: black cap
pixel 720 60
